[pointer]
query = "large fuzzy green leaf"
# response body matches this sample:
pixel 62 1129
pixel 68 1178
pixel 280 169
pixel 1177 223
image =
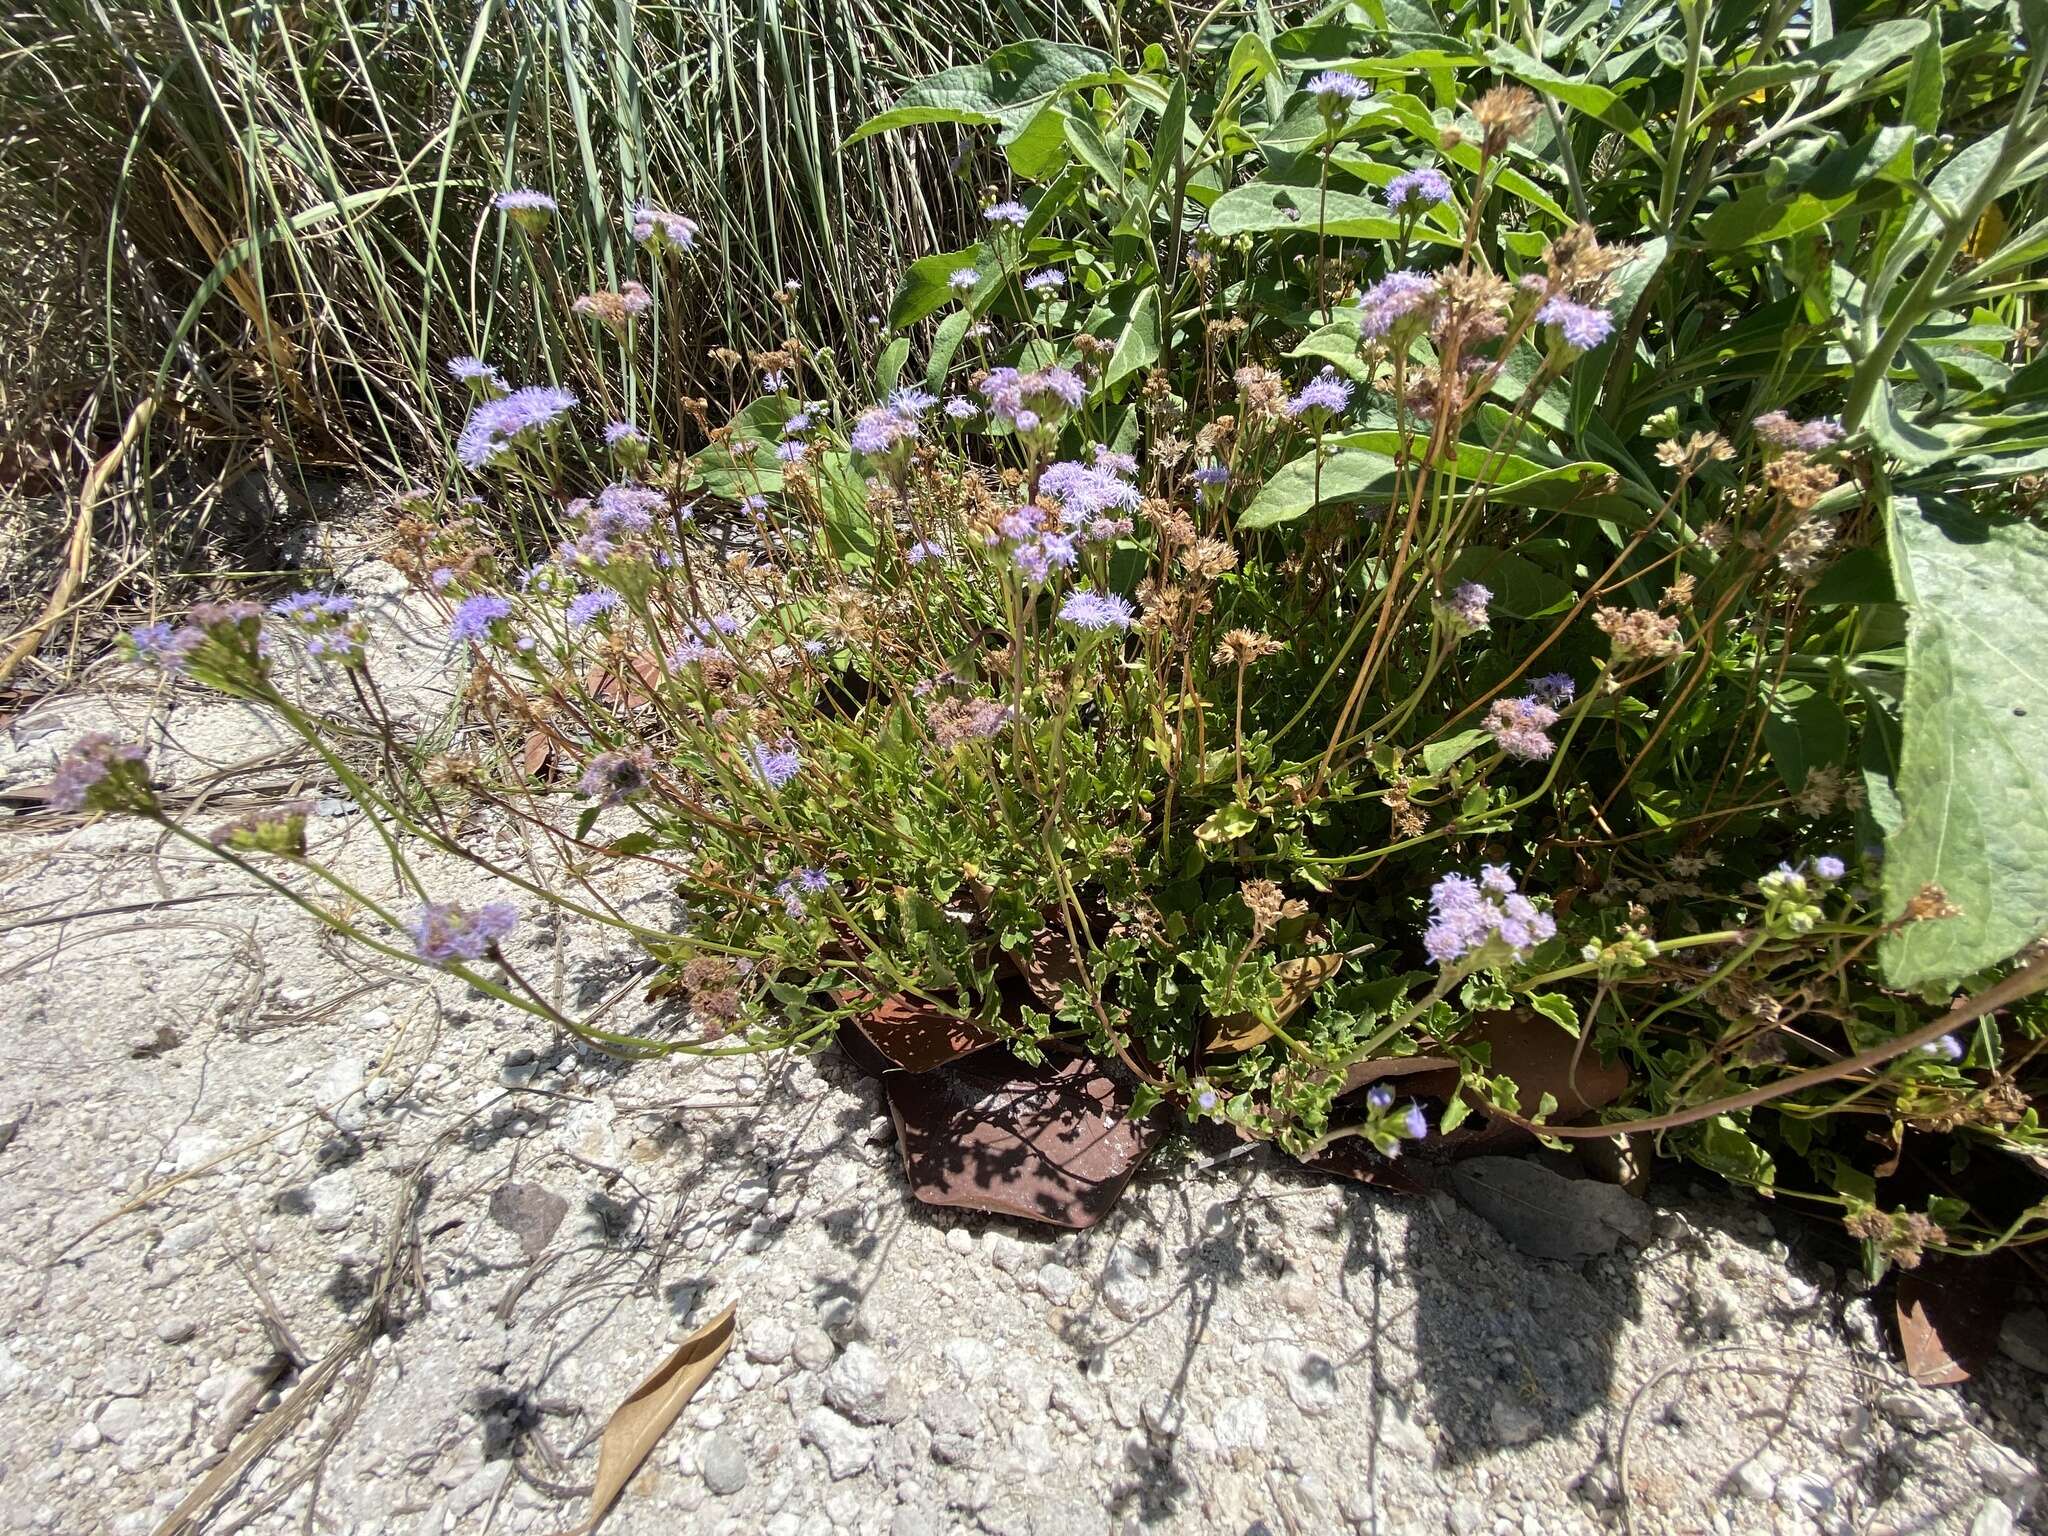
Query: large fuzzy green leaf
pixel 1973 770
pixel 1007 88
pixel 1265 207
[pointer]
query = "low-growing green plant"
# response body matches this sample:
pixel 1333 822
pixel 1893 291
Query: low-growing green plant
pixel 1354 566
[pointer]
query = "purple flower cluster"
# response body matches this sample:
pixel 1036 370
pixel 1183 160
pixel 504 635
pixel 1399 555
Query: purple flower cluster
pixel 474 618
pixel 1483 918
pixel 1029 401
pixel 964 280
pixel 443 931
pixel 171 647
pixel 923 550
pixel 799 884
pixel 496 427
pixel 1781 431
pixel 90 763
pixel 617 432
pixel 326 622
pixel 1393 299
pixel 584 607
pixel 478 374
pixel 1048 280
pixel 1011 213
pixel 1463 610
pixel 1096 611
pixel 1581 327
pixel 661 231
pixel 524 200
pixel 777 764
pixel 611 778
pixel 1947 1048
pixel 1554 688
pixel 1518 727
pixel 1325 392
pixel 1333 88
pixel 166 644
pixel 701 638
pixel 960 408
pixel 1092 494
pixel 1418 188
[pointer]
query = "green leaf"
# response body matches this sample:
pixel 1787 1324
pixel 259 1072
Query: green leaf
pixel 889 366
pixel 1761 215
pixel 1231 822
pixel 1294 489
pixel 925 289
pixel 842 492
pixel 1007 88
pixel 1439 755
pixel 1265 207
pixel 1557 1008
pixel 1250 62
pixel 945 343
pixel 1132 322
pixel 1804 731
pixel 1039 148
pixel 1973 772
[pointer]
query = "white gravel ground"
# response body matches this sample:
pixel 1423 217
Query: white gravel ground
pixel 268 1194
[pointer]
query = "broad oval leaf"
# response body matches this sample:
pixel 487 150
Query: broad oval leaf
pixel 1973 770
pixel 1006 88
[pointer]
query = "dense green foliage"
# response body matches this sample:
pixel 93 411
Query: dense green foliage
pixel 1431 517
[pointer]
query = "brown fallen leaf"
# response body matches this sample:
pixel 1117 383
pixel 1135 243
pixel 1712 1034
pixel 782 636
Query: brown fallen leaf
pixel 1950 1312
pixel 644 1417
pixel 1299 978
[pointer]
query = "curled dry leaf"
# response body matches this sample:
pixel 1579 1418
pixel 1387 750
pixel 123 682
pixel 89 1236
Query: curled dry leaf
pixel 644 1417
pixel 1299 979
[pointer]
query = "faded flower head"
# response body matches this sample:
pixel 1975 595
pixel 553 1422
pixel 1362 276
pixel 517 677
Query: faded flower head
pixel 1505 112
pixel 1269 906
pixel 1639 633
pixel 611 778
pixel 1782 431
pixel 1242 647
pixel 955 722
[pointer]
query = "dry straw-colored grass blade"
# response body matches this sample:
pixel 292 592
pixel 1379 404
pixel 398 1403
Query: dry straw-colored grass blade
pixel 644 1417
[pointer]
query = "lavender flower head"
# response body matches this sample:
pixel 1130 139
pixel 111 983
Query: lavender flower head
pixel 611 778
pixel 1087 491
pixel 1379 1099
pixel 478 375
pixel 1947 1048
pixel 1415 1124
pixel 443 932
pixel 473 620
pixel 1047 280
pixel 1555 689
pixel 584 608
pixel 1485 921
pixel 1393 299
pixel 1781 431
pixel 1326 392
pixel 1518 727
pixel 661 231
pixel 1413 190
pixel 799 884
pixel 1581 327
pixel 496 428
pixel 911 402
pixel 1013 214
pixel 100 773
pixel 923 550
pixel 1334 89
pixel 1030 401
pixel 617 432
pixel 777 764
pixel 964 280
pixel 1826 868
pixel 882 432
pixel 1096 611
pixel 1462 611
pixel 532 211
pixel 960 408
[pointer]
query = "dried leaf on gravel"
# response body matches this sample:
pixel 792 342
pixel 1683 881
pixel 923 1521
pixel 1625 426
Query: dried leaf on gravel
pixel 644 1417
pixel 530 1213
pixel 1950 1314
pixel 1054 1143
pixel 1546 1214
